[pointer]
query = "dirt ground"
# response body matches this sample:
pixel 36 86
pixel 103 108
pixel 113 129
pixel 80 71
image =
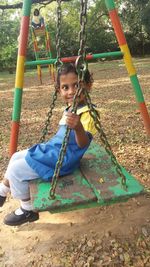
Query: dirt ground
pixel 113 236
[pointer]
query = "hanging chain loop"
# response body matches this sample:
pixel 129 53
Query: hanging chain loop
pixel 96 117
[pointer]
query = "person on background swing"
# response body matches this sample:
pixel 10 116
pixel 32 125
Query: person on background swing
pixel 37 20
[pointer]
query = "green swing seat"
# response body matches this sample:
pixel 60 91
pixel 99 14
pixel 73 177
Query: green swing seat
pixel 96 183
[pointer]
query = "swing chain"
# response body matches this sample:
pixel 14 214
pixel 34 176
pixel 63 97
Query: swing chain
pixel 81 67
pixel 58 62
pixel 63 147
pixel 82 33
pixel 49 115
pixel 96 117
pixel 59 164
pixel 81 64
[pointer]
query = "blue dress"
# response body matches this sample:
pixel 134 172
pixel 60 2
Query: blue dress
pixel 42 158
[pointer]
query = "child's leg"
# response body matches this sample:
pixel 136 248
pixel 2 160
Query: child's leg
pixel 19 174
pixel 4 190
pixel 4 185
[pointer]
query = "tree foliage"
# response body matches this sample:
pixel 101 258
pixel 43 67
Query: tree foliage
pixel 5 4
pixel 136 19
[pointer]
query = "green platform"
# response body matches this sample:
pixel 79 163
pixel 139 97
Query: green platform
pixel 95 184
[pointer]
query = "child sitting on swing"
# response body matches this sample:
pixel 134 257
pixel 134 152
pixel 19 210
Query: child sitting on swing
pixel 40 160
pixel 37 20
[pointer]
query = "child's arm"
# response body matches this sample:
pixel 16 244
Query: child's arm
pixel 73 121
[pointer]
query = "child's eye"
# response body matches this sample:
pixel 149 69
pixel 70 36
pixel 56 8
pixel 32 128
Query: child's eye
pixel 65 87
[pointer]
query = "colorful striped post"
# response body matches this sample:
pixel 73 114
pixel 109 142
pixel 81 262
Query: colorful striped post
pixel 48 48
pixel 128 63
pixel 20 75
pixel 35 45
pixel 47 41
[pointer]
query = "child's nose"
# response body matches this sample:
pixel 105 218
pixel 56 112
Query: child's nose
pixel 72 90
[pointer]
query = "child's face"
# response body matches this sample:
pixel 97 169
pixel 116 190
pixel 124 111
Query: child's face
pixel 68 87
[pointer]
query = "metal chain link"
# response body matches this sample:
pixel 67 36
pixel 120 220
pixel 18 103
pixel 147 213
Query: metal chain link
pixel 81 68
pixel 58 64
pixel 82 33
pixel 63 148
pixel 96 117
pixel 49 115
pixel 81 63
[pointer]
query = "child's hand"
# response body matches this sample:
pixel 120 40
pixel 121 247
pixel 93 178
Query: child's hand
pixel 73 120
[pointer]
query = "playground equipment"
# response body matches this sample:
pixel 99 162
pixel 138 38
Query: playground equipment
pixel 42 49
pixel 101 179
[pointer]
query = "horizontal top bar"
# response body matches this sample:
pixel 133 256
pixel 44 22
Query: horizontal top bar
pixel 73 58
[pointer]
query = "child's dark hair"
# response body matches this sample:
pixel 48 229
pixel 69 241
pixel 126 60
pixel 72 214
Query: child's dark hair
pixel 36 12
pixel 70 68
